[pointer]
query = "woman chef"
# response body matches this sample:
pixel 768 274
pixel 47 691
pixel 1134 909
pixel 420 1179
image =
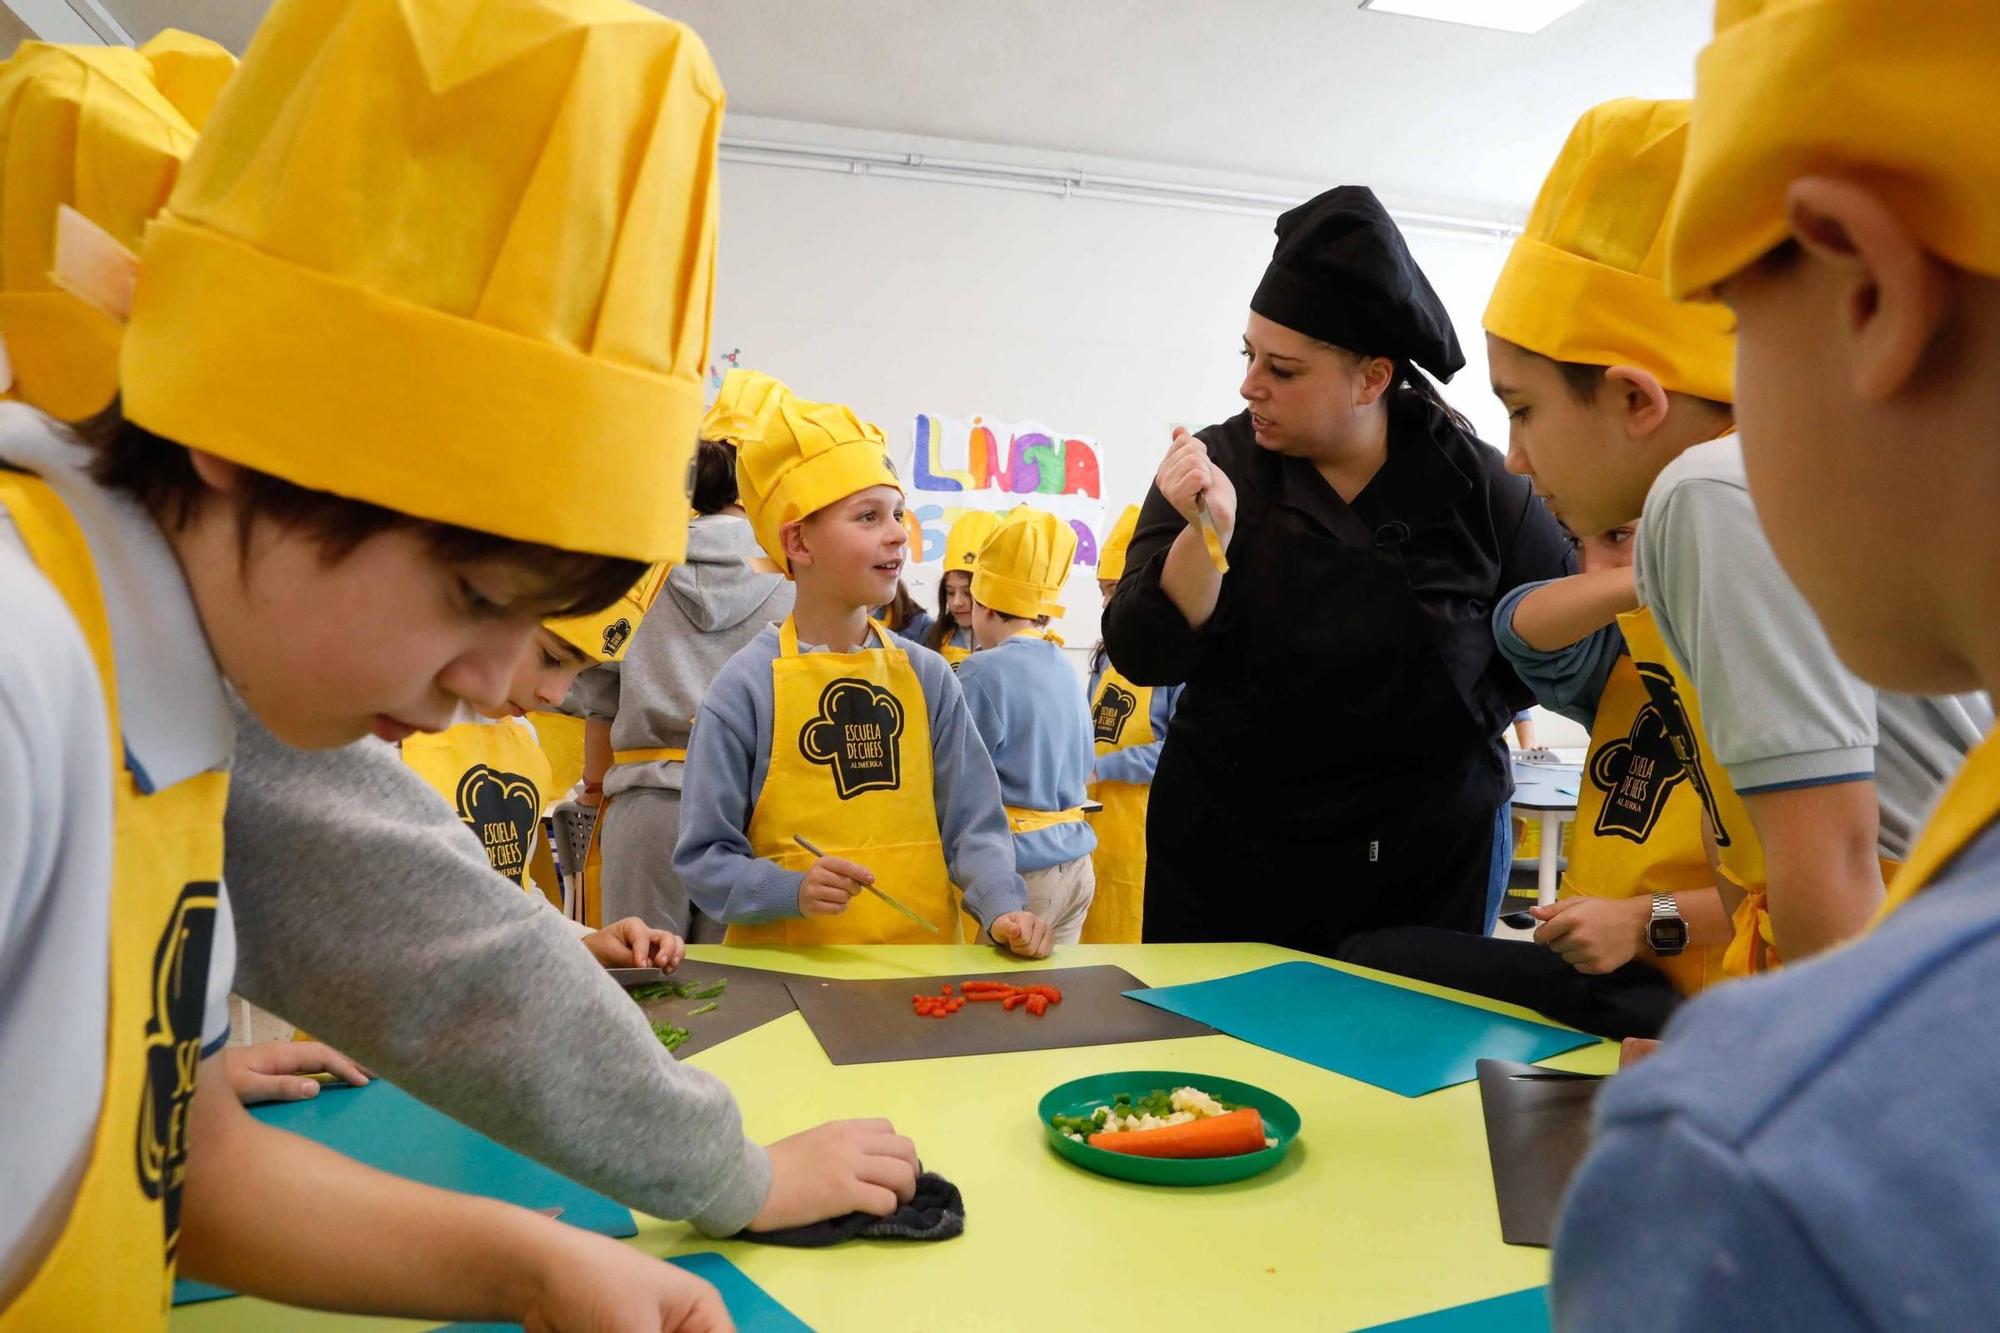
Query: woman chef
pixel 1336 765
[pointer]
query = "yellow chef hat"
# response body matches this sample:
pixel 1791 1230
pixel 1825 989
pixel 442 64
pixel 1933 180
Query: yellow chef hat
pixel 1111 556
pixel 452 258
pixel 602 635
pixel 1584 281
pixel 1024 564
pixel 967 535
pixel 793 457
pixel 103 130
pixel 1902 95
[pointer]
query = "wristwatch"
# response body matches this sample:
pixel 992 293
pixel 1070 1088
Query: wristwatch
pixel 1666 932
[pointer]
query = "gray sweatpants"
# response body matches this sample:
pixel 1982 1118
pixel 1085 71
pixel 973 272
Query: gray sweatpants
pixel 640 829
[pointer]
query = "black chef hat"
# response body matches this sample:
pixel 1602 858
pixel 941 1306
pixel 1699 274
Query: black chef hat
pixel 1342 274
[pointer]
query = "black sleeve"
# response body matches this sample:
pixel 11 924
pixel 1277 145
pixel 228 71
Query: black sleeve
pixel 1145 635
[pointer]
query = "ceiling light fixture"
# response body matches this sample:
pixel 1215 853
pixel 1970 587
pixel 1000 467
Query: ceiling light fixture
pixel 1505 15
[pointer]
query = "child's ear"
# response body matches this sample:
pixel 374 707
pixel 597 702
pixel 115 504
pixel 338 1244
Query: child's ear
pixel 792 537
pixel 218 474
pixel 1893 293
pixel 1642 396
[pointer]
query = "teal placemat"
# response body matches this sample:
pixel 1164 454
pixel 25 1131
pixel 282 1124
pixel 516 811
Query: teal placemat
pixel 1399 1039
pixel 392 1131
pixel 753 1309
pixel 1517 1312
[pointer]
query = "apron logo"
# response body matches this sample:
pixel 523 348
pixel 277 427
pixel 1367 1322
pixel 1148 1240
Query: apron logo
pixel 615 635
pixel 1638 773
pixel 501 808
pixel 856 735
pixel 1114 709
pixel 173 1051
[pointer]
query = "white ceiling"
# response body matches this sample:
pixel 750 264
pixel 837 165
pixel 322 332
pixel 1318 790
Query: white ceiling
pixel 1313 91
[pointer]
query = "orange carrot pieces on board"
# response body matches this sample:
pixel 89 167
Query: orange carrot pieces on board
pixel 1217 1136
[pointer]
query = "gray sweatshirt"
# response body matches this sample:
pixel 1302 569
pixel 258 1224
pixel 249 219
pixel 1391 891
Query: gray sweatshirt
pixel 713 604
pixel 459 987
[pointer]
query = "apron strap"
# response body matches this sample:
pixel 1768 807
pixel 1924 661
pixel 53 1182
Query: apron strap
pixel 57 546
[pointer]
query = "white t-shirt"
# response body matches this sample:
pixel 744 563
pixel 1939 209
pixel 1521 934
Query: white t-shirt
pixel 56 820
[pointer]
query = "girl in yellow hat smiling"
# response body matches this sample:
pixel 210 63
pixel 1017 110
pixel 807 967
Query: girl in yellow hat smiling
pixel 951 633
pixel 826 730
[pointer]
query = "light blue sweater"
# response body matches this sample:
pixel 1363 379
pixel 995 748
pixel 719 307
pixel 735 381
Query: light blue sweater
pixel 1024 700
pixel 729 755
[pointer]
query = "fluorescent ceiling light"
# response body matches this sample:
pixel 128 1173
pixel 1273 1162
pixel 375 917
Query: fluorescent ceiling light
pixel 1506 15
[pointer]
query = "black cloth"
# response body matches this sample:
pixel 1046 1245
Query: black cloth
pixel 1342 721
pixel 935 1212
pixel 1633 1001
pixel 1341 273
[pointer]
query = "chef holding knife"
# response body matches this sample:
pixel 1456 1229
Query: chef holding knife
pixel 1337 762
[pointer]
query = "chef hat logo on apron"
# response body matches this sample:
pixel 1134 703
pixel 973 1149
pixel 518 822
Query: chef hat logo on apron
pixel 1659 683
pixel 615 635
pixel 1114 710
pixel 501 808
pixel 856 734
pixel 1636 776
pixel 173 1050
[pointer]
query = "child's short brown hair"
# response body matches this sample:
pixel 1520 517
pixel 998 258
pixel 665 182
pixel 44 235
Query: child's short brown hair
pixel 161 475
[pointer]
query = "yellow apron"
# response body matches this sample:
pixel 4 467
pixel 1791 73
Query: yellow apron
pixel 562 744
pixel 1969 807
pixel 495 776
pixel 851 773
pixel 112 1264
pixel 1638 813
pixel 1121 716
pixel 1677 712
pixel 951 652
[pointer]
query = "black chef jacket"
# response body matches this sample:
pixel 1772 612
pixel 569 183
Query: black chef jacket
pixel 1339 737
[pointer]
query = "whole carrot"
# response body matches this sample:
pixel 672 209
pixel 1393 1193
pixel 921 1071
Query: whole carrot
pixel 1227 1135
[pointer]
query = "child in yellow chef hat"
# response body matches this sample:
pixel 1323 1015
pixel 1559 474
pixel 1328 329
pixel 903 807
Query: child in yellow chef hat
pixel 1128 728
pixel 827 731
pixel 1022 693
pixel 1811 1139
pixel 951 632
pixel 400 352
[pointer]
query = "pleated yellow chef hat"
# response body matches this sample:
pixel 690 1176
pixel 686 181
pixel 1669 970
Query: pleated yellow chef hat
pixel 1111 555
pixel 451 257
pixel 967 535
pixel 1584 280
pixel 793 457
pixel 1024 564
pixel 102 130
pixel 603 635
pixel 1901 95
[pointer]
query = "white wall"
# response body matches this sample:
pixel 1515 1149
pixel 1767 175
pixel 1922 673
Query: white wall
pixel 1101 319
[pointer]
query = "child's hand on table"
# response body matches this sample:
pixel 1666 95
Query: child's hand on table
pixel 1023 933
pixel 830 884
pixel 276 1071
pixel 841 1167
pixel 632 943
pixel 586 1281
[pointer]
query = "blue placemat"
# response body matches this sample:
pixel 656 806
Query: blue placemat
pixel 388 1129
pixel 1399 1039
pixel 753 1309
pixel 1518 1312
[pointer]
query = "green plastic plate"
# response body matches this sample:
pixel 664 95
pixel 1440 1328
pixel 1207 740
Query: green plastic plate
pixel 1083 1096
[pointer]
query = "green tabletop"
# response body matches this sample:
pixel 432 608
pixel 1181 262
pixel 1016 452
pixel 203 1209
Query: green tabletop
pixel 1384 1208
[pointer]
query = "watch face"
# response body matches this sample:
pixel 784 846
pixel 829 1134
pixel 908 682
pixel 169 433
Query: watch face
pixel 1667 936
